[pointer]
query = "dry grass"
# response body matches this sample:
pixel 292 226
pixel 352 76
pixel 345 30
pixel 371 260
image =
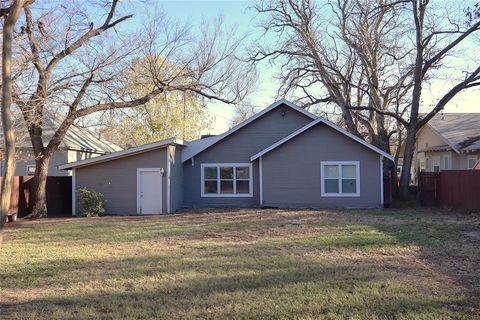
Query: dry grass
pixel 246 264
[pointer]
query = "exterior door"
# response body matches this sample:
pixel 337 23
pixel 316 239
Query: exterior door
pixel 149 191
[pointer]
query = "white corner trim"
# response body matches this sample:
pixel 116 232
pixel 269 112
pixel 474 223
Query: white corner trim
pixel 168 179
pixel 250 120
pixel 340 163
pixel 74 193
pixel 381 182
pixel 230 195
pixel 139 170
pixel 260 177
pixel 330 124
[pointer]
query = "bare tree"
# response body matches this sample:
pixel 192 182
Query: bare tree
pixel 432 45
pixel 80 68
pixel 349 61
pixel 367 61
pixel 242 112
pixel 10 15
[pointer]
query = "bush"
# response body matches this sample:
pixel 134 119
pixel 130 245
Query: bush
pixel 92 203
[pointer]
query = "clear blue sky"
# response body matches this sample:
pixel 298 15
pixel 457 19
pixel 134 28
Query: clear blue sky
pixel 237 13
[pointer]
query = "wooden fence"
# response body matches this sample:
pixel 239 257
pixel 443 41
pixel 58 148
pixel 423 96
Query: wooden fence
pixel 59 195
pixel 455 189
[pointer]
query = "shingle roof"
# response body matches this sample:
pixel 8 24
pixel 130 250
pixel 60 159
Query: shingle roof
pixel 123 153
pixel 460 130
pixel 197 146
pixel 76 138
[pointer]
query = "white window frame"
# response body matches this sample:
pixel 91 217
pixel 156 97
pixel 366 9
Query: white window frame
pixel 449 162
pixel 31 166
pixel 475 158
pixel 434 159
pixel 226 195
pixel 339 163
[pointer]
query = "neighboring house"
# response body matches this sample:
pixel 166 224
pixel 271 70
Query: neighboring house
pixel 78 144
pixel 283 156
pixel 449 141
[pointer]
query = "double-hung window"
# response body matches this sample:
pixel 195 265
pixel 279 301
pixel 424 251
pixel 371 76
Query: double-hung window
pixel 226 179
pixel 340 178
pixel 471 162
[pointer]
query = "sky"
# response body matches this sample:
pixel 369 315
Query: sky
pixel 238 14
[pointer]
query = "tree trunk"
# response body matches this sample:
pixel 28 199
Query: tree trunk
pixel 38 193
pixel 407 160
pixel 8 130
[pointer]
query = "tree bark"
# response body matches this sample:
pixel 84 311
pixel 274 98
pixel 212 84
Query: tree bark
pixel 407 159
pixel 6 113
pixel 38 192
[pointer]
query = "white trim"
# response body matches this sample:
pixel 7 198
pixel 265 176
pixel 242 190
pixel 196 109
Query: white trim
pixel 260 167
pixel 381 182
pixel 249 120
pixel 139 170
pixel 328 123
pixel 339 164
pixel 74 193
pixel 122 153
pixel 449 157
pixel 168 179
pixel 439 158
pixel 218 194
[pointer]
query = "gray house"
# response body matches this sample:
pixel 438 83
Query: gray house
pixel 78 144
pixel 283 156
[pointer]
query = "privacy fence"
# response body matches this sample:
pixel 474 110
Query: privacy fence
pixel 59 195
pixel 454 189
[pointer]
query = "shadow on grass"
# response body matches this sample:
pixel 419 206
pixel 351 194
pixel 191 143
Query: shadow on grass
pixel 276 276
pixel 257 288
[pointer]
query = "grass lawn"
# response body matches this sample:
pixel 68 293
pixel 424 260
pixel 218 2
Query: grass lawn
pixel 244 264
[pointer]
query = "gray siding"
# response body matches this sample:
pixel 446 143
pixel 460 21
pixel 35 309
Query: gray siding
pixel 238 148
pixel 291 172
pixel 117 180
pixel 176 178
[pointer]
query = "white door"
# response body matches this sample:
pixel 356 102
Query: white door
pixel 149 191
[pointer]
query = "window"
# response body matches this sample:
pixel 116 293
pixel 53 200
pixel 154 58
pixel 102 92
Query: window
pixel 436 164
pixel 226 180
pixel 446 162
pixel 340 178
pixel 30 170
pixel 471 161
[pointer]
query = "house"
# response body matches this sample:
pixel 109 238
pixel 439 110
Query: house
pixel 449 141
pixel 283 156
pixel 78 144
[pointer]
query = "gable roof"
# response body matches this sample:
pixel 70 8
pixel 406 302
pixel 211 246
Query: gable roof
pixel 197 146
pixel 76 138
pixel 331 125
pixel 122 153
pixel 460 131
